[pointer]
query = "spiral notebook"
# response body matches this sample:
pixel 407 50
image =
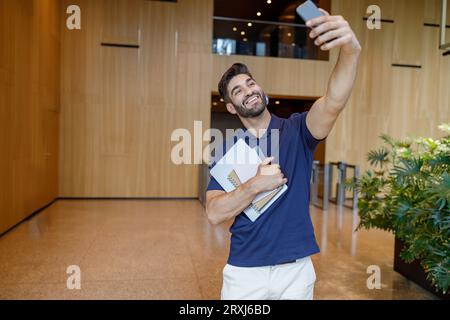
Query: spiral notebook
pixel 237 166
pixel 256 204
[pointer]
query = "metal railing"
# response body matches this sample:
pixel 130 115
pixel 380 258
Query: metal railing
pixel 322 179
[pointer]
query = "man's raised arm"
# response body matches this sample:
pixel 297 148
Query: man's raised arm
pixel 333 32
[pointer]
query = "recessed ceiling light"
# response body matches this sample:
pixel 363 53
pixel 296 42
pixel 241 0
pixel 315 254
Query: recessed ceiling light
pixel 258 14
pixel 221 100
pixel 293 44
pixel 245 39
pixel 214 103
pixel 269 1
pixel 234 29
pixel 249 24
pixel 242 33
pixel 289 34
pixel 277 102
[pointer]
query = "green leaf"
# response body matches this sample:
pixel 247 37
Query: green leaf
pixel 378 157
pixel 388 139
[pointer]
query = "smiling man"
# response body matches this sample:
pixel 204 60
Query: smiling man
pixel 270 257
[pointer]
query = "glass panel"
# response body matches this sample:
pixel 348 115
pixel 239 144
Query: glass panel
pixel 264 38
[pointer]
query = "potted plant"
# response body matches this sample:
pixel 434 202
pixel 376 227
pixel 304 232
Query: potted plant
pixel 408 193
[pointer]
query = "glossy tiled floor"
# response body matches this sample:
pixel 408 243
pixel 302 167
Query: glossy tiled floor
pixel 166 249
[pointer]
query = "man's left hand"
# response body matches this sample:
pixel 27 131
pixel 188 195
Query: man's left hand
pixel 333 32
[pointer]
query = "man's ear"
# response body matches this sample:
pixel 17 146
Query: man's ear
pixel 230 108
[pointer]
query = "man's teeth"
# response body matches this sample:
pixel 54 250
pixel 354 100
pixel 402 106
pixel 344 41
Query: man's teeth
pixel 252 99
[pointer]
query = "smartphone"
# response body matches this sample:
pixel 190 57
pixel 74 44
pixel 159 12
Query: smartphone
pixel 308 10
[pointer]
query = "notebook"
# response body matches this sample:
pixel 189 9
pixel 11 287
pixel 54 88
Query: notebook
pixel 237 166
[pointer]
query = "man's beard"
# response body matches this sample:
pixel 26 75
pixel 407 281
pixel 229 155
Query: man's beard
pixel 256 110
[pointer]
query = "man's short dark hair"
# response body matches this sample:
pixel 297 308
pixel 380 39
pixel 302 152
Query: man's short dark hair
pixel 234 70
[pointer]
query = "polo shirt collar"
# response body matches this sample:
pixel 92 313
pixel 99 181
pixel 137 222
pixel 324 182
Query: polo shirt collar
pixel 275 123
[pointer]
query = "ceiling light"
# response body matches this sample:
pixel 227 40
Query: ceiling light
pixel 269 1
pixel 242 33
pixel 258 14
pixel 289 34
pixel 245 39
pixel 214 103
pixel 277 102
pixel 234 29
pixel 249 24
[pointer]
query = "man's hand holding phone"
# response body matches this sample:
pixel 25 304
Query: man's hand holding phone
pixel 329 31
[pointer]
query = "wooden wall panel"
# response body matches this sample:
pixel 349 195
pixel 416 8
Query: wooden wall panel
pixel 121 22
pixel 158 71
pixel 443 107
pixel 409 16
pixel 403 120
pixel 118 116
pixel 6 54
pixel 117 123
pixel 427 110
pixel 29 107
pixel 81 74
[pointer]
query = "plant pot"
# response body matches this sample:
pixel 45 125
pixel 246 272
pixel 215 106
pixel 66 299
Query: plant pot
pixel 414 272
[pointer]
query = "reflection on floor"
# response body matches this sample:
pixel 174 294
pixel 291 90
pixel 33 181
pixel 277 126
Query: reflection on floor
pixel 166 249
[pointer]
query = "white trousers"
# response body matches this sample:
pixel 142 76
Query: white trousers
pixel 292 281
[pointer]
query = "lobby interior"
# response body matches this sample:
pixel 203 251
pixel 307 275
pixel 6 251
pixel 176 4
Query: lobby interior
pixel 86 135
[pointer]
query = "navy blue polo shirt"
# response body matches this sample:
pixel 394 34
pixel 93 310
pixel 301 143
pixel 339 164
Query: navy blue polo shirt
pixel 284 232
